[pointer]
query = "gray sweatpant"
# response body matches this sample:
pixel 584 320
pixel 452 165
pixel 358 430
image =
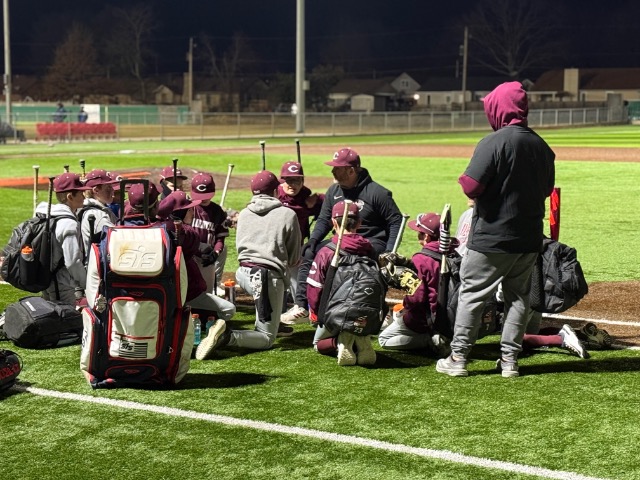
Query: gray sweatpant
pixel 480 275
pixel 265 333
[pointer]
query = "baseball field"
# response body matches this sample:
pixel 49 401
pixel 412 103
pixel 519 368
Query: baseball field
pixel 289 412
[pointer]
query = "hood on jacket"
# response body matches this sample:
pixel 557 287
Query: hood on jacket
pixel 507 105
pixel 57 209
pixel 261 204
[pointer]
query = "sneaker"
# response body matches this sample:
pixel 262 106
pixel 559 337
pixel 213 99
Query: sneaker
pixel 365 354
pixel 346 355
pixel 218 336
pixel 220 291
pixel 571 342
pixel 451 367
pixel 509 369
pixel 294 315
pixel 593 337
pixel 284 330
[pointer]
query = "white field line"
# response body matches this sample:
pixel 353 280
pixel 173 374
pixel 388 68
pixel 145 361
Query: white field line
pixel 317 434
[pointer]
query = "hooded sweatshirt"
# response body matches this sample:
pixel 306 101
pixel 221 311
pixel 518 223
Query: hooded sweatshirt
pixel 379 214
pixel 67 244
pixel 510 175
pixel 268 235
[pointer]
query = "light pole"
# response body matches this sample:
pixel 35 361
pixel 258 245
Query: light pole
pixel 7 60
pixel 465 50
pixel 190 74
pixel 300 82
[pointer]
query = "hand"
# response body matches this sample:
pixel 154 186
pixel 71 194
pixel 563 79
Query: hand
pixel 232 218
pixel 309 249
pixel 311 200
pixel 209 259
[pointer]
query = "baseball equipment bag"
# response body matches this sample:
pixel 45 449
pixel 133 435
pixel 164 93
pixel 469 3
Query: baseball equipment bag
pixel 446 318
pixel 356 301
pixel 557 281
pixel 136 331
pixel 10 368
pixel 27 256
pixel 33 322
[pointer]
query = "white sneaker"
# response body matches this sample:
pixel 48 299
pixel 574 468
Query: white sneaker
pixel 346 355
pixel 295 315
pixel 571 342
pixel 365 354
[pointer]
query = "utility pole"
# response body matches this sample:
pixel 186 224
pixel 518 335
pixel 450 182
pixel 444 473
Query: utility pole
pixel 300 81
pixel 190 74
pixel 465 55
pixel 7 61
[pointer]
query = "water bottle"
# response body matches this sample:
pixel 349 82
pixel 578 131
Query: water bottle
pixel 27 253
pixel 210 321
pixel 230 291
pixel 197 329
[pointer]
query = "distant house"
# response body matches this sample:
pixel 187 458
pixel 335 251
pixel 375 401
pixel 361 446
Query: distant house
pixel 586 85
pixel 164 95
pixel 366 95
pixel 445 93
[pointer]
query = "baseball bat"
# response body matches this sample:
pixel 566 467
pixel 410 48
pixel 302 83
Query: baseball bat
pixel 443 280
pixel 83 167
pixel 403 224
pixel 226 183
pixel 175 174
pixel 36 169
pixel 264 160
pixel 331 271
pixel 66 168
pixel 298 151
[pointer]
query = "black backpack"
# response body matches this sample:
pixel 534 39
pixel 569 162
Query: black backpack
pixel 557 281
pixel 490 321
pixel 357 297
pixel 33 271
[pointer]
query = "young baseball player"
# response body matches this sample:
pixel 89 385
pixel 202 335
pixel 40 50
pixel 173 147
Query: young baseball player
pixel 175 212
pixel 208 220
pixel 325 341
pixel 295 195
pixel 134 207
pixel 268 241
pixel 414 329
pixel 166 181
pixel 97 198
pixel 69 283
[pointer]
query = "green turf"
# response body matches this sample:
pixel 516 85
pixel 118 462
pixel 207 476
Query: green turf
pixel 564 413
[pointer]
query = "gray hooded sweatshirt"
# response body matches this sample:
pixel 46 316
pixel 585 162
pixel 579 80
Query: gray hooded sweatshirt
pixel 268 234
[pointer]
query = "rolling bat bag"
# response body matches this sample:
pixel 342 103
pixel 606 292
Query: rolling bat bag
pixel 136 332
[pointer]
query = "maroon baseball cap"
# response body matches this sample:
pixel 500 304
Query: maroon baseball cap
pixel 98 177
pixel 167 172
pixel 68 182
pixel 202 186
pixel 338 210
pixel 264 182
pixel 345 157
pixel 116 177
pixel 177 200
pixel 428 223
pixel 136 195
pixel 291 169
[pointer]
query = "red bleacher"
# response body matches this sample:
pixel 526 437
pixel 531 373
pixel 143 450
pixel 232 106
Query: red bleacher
pixel 86 131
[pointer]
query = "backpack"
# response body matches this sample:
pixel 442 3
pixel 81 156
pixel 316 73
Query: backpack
pixel 31 271
pixel 33 322
pixel 445 321
pixel 357 297
pixel 557 280
pixel 136 330
pixel 94 236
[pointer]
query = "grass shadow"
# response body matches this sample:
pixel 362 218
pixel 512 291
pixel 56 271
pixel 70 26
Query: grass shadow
pixel 197 381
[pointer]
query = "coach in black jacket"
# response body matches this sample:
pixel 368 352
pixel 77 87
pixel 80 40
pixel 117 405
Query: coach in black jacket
pixel 379 215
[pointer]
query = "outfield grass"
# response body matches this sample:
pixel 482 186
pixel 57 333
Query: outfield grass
pixel 563 414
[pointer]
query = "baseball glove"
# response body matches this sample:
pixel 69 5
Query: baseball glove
pixel 402 278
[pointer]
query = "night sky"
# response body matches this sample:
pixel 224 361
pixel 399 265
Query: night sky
pixel 366 36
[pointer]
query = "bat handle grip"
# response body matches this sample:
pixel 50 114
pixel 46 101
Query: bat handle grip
pixel 445 241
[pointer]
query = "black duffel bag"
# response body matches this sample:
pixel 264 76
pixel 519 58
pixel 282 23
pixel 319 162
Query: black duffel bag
pixel 33 322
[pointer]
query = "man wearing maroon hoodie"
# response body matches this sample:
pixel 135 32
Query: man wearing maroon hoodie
pixel 326 341
pixel 510 175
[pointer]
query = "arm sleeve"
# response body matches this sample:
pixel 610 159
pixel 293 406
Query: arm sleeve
pixel 392 217
pixel 323 224
pixel 470 187
pixel 293 240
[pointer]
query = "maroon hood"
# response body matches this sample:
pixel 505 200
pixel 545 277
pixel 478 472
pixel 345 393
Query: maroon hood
pixel 506 105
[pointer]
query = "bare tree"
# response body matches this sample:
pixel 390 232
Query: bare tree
pixel 129 44
pixel 509 36
pixel 74 69
pixel 226 67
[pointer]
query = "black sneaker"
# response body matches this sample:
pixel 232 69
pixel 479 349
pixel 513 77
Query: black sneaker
pixel 284 330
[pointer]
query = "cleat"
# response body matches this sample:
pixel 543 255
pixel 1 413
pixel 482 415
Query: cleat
pixel 571 342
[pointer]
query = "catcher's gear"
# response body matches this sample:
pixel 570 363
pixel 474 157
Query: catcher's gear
pixel 394 258
pixel 402 278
